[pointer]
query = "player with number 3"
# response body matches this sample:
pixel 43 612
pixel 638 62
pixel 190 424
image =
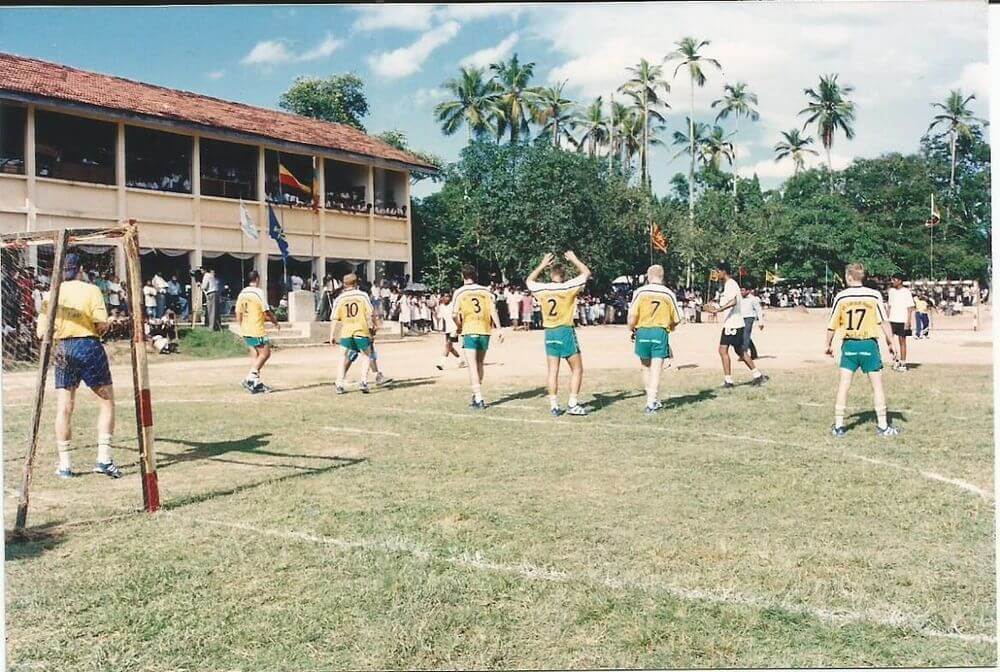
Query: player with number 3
pixel 475 316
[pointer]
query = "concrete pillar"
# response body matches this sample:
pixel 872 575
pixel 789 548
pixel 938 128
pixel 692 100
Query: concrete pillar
pixel 196 260
pixel 319 262
pixel 409 226
pixel 120 172
pixel 371 224
pixel 264 238
pixel 31 171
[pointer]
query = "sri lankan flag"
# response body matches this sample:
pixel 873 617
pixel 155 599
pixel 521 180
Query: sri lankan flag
pixel 657 239
pixel 289 181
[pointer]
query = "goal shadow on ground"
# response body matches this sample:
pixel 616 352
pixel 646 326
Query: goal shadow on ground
pixel 396 384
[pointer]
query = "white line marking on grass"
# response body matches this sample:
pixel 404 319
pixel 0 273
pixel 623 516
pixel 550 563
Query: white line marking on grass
pixel 892 618
pixel 355 430
pixel 964 485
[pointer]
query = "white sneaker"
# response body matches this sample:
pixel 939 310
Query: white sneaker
pixel 576 410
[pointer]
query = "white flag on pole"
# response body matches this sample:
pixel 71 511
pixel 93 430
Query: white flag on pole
pixel 249 228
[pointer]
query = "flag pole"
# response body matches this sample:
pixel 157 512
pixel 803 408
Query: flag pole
pixel 243 274
pixel 281 201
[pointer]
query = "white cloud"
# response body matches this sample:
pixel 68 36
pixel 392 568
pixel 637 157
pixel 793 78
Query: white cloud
pixel 408 60
pixel 422 17
pixel 405 17
pixel 424 97
pixel 275 52
pixel 484 57
pixel 975 78
pixel 268 52
pixel 216 74
pixel 323 49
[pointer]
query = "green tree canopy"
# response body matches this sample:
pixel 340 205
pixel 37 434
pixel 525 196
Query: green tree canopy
pixel 338 98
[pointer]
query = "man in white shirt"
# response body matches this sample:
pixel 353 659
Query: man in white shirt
pixel 210 285
pixel 161 294
pixel 513 306
pixel 445 313
pixel 733 329
pixel 901 310
pixel 149 295
pixel 752 312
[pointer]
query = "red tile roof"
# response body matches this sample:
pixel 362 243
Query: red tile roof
pixel 50 80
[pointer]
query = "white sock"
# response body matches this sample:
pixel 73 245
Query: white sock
pixel 572 401
pixel 253 375
pixel 553 401
pixel 104 448
pixel 838 416
pixel 65 461
pixel 442 361
pixel 477 392
pixel 651 396
pixel 729 379
pixel 757 373
pixel 883 421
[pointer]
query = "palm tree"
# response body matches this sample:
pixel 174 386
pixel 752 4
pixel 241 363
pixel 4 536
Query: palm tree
pixel 631 135
pixel 739 101
pixel 595 126
pixel 716 146
pixel 690 142
pixel 516 98
pixel 958 120
pixel 555 113
pixel 829 109
pixel 472 104
pixel 644 87
pixel 795 146
pixel 688 53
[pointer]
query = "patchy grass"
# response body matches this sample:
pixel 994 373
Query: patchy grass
pixel 728 531
pixel 208 344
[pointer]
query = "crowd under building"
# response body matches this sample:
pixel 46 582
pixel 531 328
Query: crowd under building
pixel 85 150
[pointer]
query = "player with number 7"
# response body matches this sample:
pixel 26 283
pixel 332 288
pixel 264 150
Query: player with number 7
pixel 558 302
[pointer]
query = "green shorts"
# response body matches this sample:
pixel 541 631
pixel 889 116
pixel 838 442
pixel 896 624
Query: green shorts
pixel 356 343
pixel 561 342
pixel 652 342
pixel 476 342
pixel 256 341
pixel 860 354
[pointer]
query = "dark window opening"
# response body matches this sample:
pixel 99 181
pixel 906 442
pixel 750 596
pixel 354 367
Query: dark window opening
pixel 158 160
pixel 13 126
pixel 228 170
pixel 389 194
pixel 74 148
pixel 294 184
pixel 345 186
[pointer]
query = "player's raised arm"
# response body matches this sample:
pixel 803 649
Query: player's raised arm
pixel 546 260
pixel 580 266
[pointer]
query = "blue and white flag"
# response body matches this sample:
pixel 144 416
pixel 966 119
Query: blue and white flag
pixel 277 232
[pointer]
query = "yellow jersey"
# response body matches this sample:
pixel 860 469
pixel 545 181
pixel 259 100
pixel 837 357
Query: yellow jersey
pixel 81 308
pixel 858 312
pixel 354 310
pixel 654 306
pixel 252 304
pixel 475 304
pixel 558 300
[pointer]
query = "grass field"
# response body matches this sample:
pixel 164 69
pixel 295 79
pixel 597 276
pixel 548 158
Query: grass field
pixel 400 530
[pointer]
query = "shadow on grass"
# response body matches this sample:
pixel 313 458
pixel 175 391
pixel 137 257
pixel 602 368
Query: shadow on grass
pixel 602 401
pixel 198 498
pixel 533 393
pixel 866 417
pixel 395 384
pixel 33 542
pixel 687 366
pixel 213 450
pixel 685 399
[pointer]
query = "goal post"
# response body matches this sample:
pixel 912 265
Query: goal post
pixel 126 239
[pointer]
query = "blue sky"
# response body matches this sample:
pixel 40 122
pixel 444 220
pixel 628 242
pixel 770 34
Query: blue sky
pixel 899 57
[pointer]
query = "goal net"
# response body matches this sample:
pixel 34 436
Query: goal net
pixel 51 345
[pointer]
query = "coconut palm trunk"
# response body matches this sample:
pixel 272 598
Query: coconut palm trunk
pixel 736 135
pixel 691 170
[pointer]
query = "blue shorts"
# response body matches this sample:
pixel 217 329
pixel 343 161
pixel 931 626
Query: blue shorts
pixel 79 359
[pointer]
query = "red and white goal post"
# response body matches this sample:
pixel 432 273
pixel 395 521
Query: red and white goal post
pixel 126 239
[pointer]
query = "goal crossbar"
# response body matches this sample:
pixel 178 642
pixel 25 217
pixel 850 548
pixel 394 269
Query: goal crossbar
pixel 61 239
